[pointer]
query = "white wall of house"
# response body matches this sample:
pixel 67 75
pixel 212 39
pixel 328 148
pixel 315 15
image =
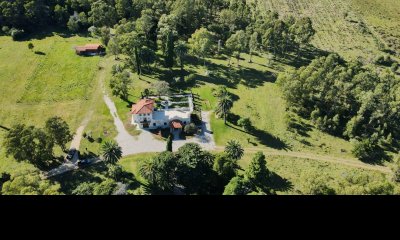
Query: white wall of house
pixel 137 120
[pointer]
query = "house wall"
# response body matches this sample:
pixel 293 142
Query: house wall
pixel 153 124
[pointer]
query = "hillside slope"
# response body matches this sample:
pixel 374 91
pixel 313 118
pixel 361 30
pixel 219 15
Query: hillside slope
pixel 353 29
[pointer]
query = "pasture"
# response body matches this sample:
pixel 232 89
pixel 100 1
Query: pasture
pixel 49 80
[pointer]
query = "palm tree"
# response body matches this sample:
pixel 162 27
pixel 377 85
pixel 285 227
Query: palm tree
pixel 224 105
pixel 111 152
pixel 234 150
pixel 148 170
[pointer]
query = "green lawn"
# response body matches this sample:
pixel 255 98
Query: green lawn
pixel 54 82
pixel 131 163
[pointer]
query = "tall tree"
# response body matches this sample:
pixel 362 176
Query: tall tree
pixel 123 8
pixel 254 45
pixel 234 150
pixel 29 144
pixel 160 172
pixel 201 43
pixel 111 152
pixel 238 42
pixel 303 31
pixel 237 186
pixel 195 169
pixel 29 183
pixel 161 88
pixel 145 24
pixel 120 84
pixel 105 35
pixel 181 51
pixel 224 105
pixel 131 44
pixel 258 174
pixel 169 53
pixel 102 14
pixel 169 143
pixel 225 167
pixel 113 47
pixel 59 131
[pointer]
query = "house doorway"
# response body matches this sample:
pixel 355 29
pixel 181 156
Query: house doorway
pixel 146 124
pixel 176 127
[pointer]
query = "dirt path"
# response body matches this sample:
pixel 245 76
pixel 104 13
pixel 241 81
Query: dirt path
pixel 348 162
pixel 100 78
pixel 76 141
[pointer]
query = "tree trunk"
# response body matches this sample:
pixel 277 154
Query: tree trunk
pixel 181 65
pixel 137 61
pixel 225 118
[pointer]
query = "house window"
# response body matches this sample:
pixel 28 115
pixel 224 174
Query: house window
pixel 154 124
pixel 165 124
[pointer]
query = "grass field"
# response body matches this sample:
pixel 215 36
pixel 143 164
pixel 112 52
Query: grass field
pixel 346 27
pixel 384 17
pixel 52 82
pixel 289 171
pixel 255 96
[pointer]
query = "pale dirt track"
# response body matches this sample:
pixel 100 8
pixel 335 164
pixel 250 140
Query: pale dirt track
pixel 344 161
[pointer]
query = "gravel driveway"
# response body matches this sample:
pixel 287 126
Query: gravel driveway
pixel 145 142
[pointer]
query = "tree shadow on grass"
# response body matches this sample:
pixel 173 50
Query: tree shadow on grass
pixel 279 183
pixel 304 58
pixel 70 180
pixel 4 128
pixel 378 157
pixel 264 138
pixel 40 53
pixel 269 140
pixel 253 78
pixel 40 34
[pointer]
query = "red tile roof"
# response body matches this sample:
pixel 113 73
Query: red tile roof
pixel 88 47
pixel 176 124
pixel 144 106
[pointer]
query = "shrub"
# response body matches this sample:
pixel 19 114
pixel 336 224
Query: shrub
pixel 107 187
pixel 394 67
pixel 190 129
pixel 385 60
pixel 84 135
pixel 5 30
pixel 30 46
pixel 365 150
pixel 17 34
pixel 84 189
pixel 114 172
pixel 99 140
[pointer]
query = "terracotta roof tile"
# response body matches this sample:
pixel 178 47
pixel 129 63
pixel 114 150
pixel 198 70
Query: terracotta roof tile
pixel 176 124
pixel 144 106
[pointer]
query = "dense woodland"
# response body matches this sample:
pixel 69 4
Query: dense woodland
pixel 348 100
pixel 345 99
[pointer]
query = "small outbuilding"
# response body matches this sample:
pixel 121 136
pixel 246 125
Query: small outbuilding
pixel 90 50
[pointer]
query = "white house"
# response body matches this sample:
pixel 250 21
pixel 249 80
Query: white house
pixel 145 114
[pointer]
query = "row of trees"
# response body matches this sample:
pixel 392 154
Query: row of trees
pixel 192 170
pixel 36 145
pixel 347 100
